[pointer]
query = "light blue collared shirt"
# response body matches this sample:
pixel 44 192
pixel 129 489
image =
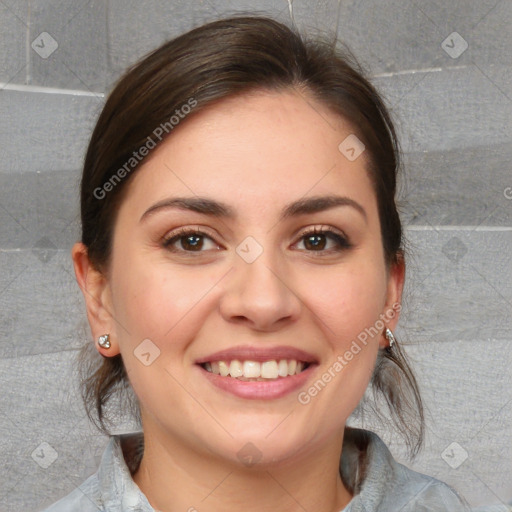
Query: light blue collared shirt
pixel 377 481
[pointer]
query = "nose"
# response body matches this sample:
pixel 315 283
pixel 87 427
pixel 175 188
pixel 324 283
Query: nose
pixel 259 295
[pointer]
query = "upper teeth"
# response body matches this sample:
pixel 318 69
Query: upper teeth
pixel 254 370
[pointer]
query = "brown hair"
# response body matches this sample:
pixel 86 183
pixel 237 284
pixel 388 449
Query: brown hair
pixel 215 61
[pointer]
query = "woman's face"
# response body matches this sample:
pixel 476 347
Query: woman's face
pixel 233 278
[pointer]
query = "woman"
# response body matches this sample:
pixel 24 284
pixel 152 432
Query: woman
pixel 242 269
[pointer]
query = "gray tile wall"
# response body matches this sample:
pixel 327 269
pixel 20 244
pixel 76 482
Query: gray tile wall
pixel 59 58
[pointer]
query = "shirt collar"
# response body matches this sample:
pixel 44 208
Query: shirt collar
pixel 118 490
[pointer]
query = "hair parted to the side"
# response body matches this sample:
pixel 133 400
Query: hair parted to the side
pixel 218 60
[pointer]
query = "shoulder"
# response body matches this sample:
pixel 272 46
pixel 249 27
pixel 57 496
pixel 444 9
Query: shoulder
pixel 424 492
pixel 433 496
pixel 385 485
pixel 417 492
pixel 85 498
pixel 111 488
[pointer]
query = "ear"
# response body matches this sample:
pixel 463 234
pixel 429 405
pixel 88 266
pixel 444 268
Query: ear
pixel 97 294
pixel 393 306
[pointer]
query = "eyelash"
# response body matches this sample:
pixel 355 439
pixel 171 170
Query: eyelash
pixel 342 241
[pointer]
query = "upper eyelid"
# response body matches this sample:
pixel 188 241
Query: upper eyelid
pixel 322 229
pixel 202 230
pixel 189 230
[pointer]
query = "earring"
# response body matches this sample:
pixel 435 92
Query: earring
pixel 390 337
pixel 104 341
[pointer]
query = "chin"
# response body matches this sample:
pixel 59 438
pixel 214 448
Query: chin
pixel 259 454
pixel 263 443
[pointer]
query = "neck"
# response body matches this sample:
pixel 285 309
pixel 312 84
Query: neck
pixel 176 478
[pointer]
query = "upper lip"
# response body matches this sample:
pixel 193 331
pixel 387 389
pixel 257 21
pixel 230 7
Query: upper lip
pixel 259 354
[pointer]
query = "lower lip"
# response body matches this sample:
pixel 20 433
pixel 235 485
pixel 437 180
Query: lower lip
pixel 259 390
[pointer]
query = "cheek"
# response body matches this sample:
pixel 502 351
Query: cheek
pixel 347 300
pixel 154 299
pixel 163 303
pixel 347 306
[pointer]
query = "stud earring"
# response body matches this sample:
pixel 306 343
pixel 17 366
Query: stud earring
pixel 390 337
pixel 104 341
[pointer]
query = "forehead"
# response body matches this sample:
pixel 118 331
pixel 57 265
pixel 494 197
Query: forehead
pixel 262 147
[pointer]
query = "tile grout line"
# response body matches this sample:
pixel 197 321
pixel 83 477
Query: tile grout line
pixel 27 50
pixel 458 228
pixel 415 71
pixel 47 90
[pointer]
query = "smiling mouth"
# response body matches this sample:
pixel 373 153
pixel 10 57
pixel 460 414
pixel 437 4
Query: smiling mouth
pixel 256 371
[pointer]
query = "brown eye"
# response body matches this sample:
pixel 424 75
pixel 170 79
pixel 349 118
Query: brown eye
pixel 189 241
pixel 315 241
pixel 318 240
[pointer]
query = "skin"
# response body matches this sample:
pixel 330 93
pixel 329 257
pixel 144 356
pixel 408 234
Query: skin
pixel 256 153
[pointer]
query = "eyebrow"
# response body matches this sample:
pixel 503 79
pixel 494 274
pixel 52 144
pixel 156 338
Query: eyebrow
pixel 218 209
